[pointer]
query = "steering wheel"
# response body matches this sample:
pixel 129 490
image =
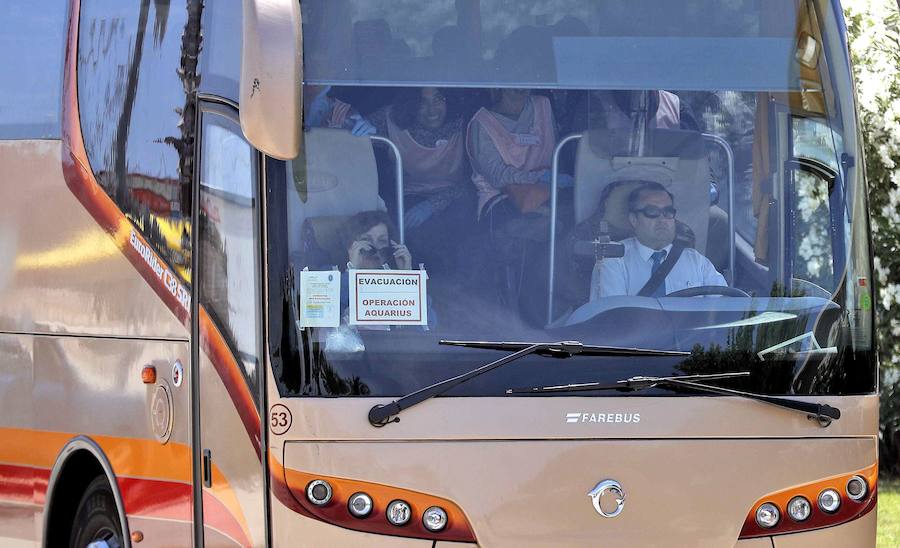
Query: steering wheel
pixel 701 290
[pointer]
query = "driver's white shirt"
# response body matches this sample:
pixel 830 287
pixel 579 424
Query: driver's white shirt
pixel 628 274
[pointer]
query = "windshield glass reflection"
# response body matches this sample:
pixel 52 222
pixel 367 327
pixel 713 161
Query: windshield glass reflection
pixel 494 196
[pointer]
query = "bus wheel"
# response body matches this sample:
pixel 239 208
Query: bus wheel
pixel 96 523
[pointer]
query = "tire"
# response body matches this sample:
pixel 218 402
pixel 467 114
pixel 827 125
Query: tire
pixel 97 518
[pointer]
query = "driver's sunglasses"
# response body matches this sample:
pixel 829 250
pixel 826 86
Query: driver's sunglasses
pixel 653 212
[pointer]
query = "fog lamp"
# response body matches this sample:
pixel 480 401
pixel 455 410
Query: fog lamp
pixel 799 508
pixel 767 515
pixel 829 501
pixel 399 512
pixel 857 488
pixel 435 519
pixel 360 505
pixel 319 492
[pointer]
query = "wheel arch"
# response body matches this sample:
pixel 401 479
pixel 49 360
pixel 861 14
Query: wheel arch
pixel 79 461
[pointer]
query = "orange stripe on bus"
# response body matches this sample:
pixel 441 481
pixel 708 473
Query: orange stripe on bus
pixel 128 456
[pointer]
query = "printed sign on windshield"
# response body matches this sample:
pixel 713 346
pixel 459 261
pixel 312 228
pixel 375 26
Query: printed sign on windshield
pixel 388 297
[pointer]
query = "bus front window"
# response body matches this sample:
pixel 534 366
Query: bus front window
pixel 496 172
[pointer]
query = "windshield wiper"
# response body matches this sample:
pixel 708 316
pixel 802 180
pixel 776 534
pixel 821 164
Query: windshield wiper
pixel 381 415
pixel 823 413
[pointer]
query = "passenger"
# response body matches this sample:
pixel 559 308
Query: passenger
pixel 651 213
pixel 370 240
pixel 510 148
pixel 329 111
pixel 427 130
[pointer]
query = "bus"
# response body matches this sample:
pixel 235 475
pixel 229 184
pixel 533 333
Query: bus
pixel 434 273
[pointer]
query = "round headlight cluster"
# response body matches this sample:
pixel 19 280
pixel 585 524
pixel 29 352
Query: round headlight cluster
pixel 814 505
pixel 360 505
pixel 767 515
pixel 799 508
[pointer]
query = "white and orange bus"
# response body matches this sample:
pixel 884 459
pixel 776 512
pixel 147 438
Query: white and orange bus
pixel 433 273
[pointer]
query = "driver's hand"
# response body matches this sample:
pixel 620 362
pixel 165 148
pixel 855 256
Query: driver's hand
pixel 357 249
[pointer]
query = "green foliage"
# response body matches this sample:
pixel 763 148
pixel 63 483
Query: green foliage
pixel 888 514
pixel 875 52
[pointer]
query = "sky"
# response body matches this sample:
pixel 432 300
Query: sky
pixel 31 39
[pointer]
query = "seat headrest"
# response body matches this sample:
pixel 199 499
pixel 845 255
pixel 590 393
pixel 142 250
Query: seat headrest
pixel 606 173
pixel 322 241
pixel 614 205
pixel 661 143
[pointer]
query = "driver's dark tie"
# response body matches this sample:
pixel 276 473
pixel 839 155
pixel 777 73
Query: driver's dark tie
pixel 658 257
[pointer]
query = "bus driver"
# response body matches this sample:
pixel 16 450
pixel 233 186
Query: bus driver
pixel 651 213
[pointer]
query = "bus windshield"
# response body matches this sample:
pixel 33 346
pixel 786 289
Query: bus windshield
pixel 632 173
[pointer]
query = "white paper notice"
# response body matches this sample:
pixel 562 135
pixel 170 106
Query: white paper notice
pixel 320 298
pixel 388 297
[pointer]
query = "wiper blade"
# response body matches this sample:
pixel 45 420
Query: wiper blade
pixel 566 348
pixel 381 415
pixel 824 414
pixel 631 384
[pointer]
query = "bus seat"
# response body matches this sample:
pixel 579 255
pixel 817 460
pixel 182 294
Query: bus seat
pixel 321 241
pixel 334 185
pixel 331 187
pixel 676 159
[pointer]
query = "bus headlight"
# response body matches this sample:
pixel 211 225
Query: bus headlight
pixel 434 519
pixel 399 512
pixel 857 488
pixel 829 501
pixel 360 505
pixel 319 492
pixel 767 515
pixel 799 508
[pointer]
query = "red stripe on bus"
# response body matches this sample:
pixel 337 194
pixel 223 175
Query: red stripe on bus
pixel 81 181
pixel 156 499
pixel 23 484
pixel 173 501
pixel 41 483
pixel 16 483
pixel 141 497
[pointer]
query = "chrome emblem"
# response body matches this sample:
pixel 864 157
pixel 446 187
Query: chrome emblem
pixel 615 490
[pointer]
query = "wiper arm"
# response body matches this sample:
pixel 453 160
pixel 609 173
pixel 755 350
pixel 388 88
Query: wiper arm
pixel 381 415
pixel 823 413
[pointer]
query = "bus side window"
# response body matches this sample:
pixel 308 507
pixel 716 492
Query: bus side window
pixel 130 104
pixel 811 231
